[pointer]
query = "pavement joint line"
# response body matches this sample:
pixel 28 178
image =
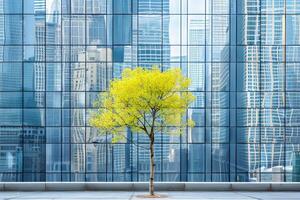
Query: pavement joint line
pixel 131 196
pixel 250 196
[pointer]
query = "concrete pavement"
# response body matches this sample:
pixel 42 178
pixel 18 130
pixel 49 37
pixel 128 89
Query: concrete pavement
pixel 115 195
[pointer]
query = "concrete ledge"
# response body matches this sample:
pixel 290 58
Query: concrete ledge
pixel 63 186
pixel 109 186
pixel 169 186
pixel 285 186
pixel 143 186
pixel 160 186
pixel 25 186
pixel 209 186
pixel 251 186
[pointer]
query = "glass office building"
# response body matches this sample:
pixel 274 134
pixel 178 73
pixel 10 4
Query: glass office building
pixel 243 56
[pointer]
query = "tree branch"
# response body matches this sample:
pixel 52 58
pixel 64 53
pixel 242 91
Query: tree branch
pixel 131 140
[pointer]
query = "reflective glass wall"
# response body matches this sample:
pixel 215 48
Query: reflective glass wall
pixel 243 56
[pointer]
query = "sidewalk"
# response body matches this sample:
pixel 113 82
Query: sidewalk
pixel 132 195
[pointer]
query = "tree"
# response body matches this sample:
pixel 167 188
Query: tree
pixel 144 100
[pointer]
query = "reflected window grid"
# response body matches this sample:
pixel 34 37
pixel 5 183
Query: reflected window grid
pixel 242 57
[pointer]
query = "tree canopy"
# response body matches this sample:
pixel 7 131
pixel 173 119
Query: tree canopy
pixel 144 100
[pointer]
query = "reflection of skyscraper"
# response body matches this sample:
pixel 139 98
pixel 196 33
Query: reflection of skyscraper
pixel 152 33
pixel 58 55
pixel 218 73
pixel 10 76
pixel 11 153
pixel 19 157
pixel 34 153
pixel 268 77
pixel 122 29
pixel 296 167
pixel 10 73
pixel 195 69
pixel 91 73
pixel 98 68
pixel 39 53
pixel 97 160
pixel 250 29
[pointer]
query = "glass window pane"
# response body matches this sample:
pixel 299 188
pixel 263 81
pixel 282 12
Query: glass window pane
pixel 272 117
pixel 248 99
pixel 196 158
pixel 172 6
pixel 251 35
pixel 220 157
pixel 292 77
pixel 197 116
pixel 34 160
pixel 53 135
pixel 53 117
pixel 34 117
pixel 244 7
pixel 220 29
pixel 53 158
pixel 53 76
pixel 293 99
pixel 292 54
pixel 78 134
pixel 196 6
pixel 77 159
pixel 196 29
pixel 249 163
pixel 150 29
pixel 272 29
pixel 248 135
pixel 12 28
pixel 292 117
pixel 172 28
pixel 96 159
pixel 53 6
pixel 11 99
pixel 121 26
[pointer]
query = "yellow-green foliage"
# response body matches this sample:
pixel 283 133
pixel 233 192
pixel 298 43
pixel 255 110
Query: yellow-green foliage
pixel 144 100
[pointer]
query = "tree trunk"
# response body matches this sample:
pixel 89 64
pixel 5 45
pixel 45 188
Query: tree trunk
pixel 152 166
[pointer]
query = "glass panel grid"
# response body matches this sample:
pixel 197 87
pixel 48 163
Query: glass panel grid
pixel 58 56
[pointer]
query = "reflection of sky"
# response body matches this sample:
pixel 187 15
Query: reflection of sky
pixel 49 5
pixel 196 6
pixel 178 27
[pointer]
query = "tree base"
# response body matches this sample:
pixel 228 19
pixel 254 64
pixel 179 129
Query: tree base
pixel 152 196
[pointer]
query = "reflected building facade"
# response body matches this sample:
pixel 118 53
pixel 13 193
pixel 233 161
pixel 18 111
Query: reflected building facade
pixel 57 56
pixel 10 137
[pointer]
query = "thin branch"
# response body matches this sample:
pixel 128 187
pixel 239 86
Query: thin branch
pixel 131 140
pixel 126 124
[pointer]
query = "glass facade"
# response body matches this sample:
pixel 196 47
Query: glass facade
pixel 243 56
